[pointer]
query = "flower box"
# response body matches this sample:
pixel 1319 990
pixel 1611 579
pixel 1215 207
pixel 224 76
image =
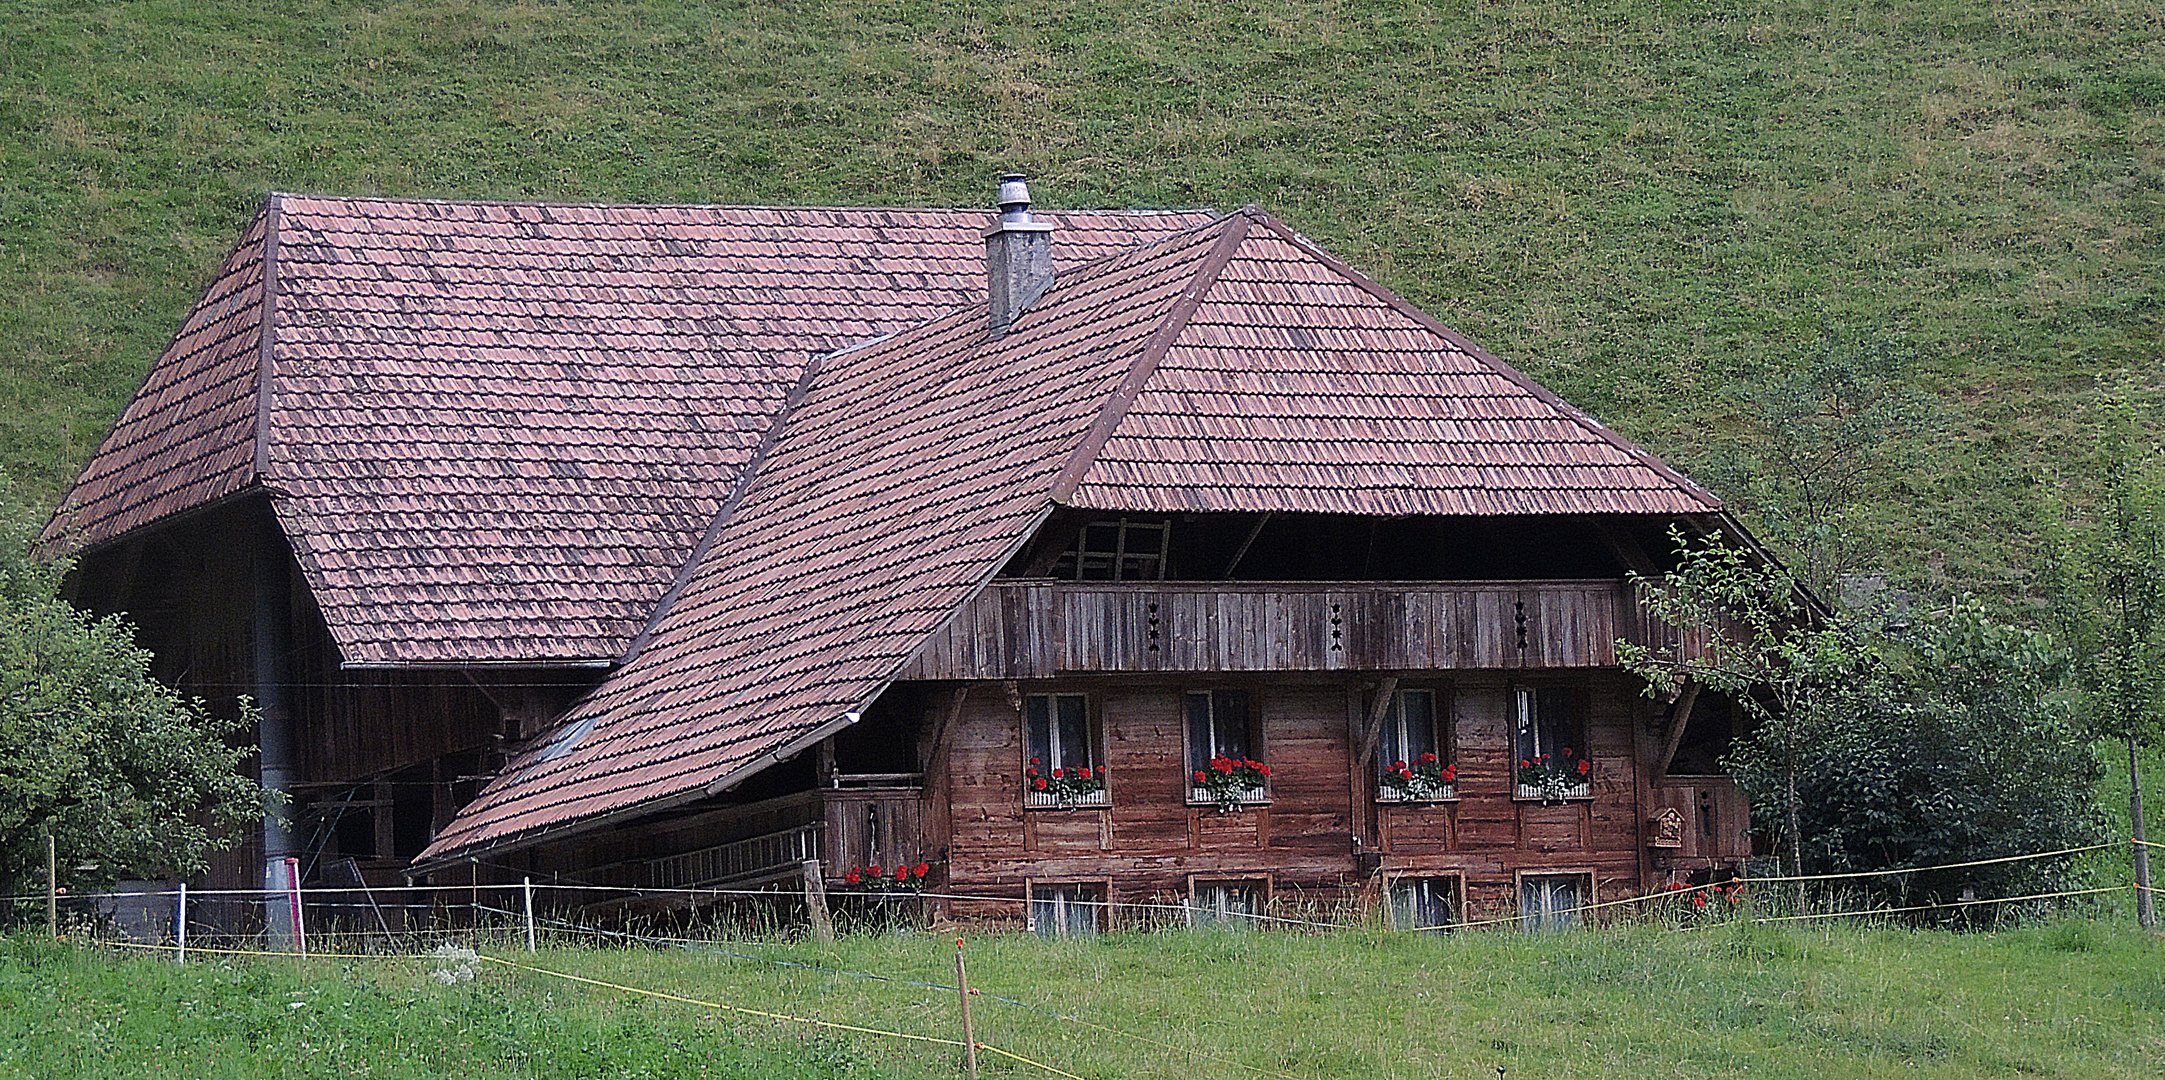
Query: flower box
pixel 1424 780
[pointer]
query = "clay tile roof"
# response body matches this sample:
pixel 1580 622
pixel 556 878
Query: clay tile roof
pixel 494 432
pixel 1235 367
pixel 904 474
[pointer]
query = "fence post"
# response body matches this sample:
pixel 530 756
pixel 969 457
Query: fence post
pixel 969 1029
pixel 293 898
pixel 52 887
pixel 526 888
pixel 815 900
pixel 180 925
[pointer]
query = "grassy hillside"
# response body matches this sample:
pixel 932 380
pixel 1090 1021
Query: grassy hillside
pixel 2074 999
pixel 1646 205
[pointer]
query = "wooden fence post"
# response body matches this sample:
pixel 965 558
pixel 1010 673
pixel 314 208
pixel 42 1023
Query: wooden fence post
pixel 52 887
pixel 815 900
pixel 969 1029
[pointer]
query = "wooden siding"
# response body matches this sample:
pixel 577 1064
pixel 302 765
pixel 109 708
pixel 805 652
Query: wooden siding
pixel 1150 842
pixel 1041 629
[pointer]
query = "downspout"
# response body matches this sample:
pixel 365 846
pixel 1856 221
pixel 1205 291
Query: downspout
pixel 277 766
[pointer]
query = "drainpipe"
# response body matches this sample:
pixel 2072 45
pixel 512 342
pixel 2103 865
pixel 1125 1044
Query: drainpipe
pixel 271 637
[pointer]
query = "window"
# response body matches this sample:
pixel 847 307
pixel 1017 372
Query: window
pixel 1228 905
pixel 1424 903
pixel 1067 909
pixel 1553 901
pixel 1412 755
pixel 1060 752
pixel 1120 550
pixel 1221 725
pixel 1552 760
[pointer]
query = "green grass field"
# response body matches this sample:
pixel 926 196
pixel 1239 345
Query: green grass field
pixel 2073 999
pixel 1647 205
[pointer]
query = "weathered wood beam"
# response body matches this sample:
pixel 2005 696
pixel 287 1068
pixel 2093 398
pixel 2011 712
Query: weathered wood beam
pixel 1372 727
pixel 933 756
pixel 1682 720
pixel 1234 564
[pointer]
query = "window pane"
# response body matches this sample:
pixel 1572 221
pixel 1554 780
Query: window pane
pixel 1559 708
pixel 1417 719
pixel 1199 739
pixel 1229 720
pixel 1077 748
pixel 1037 728
pixel 1082 913
pixel 1423 903
pixel 1227 904
pixel 1551 902
pixel 1522 718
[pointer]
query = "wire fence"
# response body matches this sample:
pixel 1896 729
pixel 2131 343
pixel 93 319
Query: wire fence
pixel 504 924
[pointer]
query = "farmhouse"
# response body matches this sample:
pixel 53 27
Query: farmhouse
pixel 1154 557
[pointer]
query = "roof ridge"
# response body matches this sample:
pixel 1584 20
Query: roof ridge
pixel 267 301
pixel 1462 343
pixel 578 204
pixel 1146 365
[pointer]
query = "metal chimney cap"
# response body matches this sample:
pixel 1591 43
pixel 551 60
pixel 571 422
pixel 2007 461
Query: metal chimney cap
pixel 1014 198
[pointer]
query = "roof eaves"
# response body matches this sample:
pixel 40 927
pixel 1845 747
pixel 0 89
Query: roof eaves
pixel 1116 408
pixel 1711 501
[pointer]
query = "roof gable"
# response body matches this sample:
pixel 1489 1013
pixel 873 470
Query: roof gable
pixel 1299 385
pixel 909 471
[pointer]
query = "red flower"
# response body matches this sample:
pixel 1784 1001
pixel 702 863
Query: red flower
pixel 1222 765
pixel 1031 773
pixel 1200 777
pixel 1450 774
pixel 1038 785
pixel 853 877
pixel 1264 769
pixel 922 869
pixel 873 870
pixel 1542 758
pixel 1585 767
pixel 902 873
pixel 1567 751
pixel 1398 766
pixel 1102 770
pixel 1405 774
pixel 1428 758
pixel 1698 900
pixel 1672 886
pixel 1083 772
pixel 1525 763
pixel 1058 773
pixel 1037 761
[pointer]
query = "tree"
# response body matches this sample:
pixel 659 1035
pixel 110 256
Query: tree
pixel 1760 642
pixel 120 769
pixel 1821 428
pixel 1946 739
pixel 2111 568
pixel 1955 740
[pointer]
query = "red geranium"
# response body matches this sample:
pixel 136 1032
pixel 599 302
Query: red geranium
pixel 922 869
pixel 1424 781
pixel 1040 785
pixel 1231 782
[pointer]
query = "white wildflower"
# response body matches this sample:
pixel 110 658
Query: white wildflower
pixel 455 963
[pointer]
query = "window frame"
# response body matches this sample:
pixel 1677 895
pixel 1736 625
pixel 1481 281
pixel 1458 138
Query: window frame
pixel 1256 920
pixel 1092 722
pixel 1580 918
pixel 1124 527
pixel 1104 887
pixel 1257 747
pixel 1457 878
pixel 1442 719
pixel 1582 700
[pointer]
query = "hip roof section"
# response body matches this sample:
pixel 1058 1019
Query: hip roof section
pixel 494 432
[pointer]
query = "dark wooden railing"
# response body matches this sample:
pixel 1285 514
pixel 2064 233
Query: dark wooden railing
pixel 1038 629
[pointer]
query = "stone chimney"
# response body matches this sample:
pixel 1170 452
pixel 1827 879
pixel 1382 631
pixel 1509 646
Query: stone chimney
pixel 1018 256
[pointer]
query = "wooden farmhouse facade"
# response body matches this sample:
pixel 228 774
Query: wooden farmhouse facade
pixel 1065 561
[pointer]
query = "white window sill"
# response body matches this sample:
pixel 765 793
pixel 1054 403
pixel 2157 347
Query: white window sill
pixel 1201 797
pixel 1530 793
pixel 1032 800
pixel 1450 794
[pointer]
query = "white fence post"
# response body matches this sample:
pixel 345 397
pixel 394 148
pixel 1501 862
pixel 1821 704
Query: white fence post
pixel 180 925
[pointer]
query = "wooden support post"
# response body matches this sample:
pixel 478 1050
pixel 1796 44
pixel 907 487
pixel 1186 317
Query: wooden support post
pixel 815 900
pixel 52 887
pixel 1684 703
pixel 1372 729
pixel 969 1028
pixel 526 894
pixel 180 925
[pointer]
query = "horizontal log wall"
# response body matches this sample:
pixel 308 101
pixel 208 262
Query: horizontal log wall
pixel 1039 629
pixel 1150 842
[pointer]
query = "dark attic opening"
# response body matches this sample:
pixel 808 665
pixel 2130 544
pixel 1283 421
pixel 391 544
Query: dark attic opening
pixel 1083 546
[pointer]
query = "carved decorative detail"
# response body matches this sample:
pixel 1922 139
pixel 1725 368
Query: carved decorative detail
pixel 1665 829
